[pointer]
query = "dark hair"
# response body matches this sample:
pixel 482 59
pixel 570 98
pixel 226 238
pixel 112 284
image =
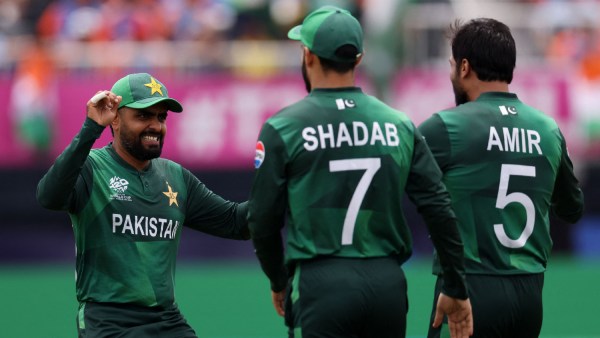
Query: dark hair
pixel 348 52
pixel 488 46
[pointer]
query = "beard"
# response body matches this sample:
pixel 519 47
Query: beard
pixel 305 77
pixel 133 145
pixel 460 95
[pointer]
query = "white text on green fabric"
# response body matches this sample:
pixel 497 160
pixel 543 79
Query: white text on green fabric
pixel 154 227
pixel 351 135
pixel 517 140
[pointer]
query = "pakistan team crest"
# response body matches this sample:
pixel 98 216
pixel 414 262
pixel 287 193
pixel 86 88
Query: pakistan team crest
pixel 172 195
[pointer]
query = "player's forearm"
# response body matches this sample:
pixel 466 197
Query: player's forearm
pixel 567 197
pixel 269 250
pixel 55 188
pixel 448 244
pixel 428 193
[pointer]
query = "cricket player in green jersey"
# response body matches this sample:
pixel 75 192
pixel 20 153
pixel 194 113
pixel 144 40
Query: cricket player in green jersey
pixel 128 208
pixel 336 165
pixel 506 167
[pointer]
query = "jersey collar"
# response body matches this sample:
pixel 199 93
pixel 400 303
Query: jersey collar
pixel 497 95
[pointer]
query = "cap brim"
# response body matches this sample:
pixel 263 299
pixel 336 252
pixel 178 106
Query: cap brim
pixel 172 104
pixel 294 33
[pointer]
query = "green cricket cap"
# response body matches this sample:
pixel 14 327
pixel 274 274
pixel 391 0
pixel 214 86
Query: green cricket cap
pixel 142 90
pixel 328 28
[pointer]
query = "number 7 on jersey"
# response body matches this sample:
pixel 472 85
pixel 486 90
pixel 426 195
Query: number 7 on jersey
pixel 370 166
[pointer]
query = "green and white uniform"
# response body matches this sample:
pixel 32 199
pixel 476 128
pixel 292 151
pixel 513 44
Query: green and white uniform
pixel 128 223
pixel 336 165
pixel 506 167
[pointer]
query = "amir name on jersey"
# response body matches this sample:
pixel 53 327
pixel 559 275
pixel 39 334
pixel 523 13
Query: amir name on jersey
pixel 357 134
pixel 517 140
pixel 144 226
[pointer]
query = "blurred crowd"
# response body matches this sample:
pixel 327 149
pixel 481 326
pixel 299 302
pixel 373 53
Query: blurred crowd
pixel 566 33
pixel 207 21
pixel 40 37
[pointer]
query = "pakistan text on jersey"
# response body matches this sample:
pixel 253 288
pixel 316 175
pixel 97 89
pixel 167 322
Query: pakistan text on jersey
pixel 517 140
pixel 144 226
pixel 355 135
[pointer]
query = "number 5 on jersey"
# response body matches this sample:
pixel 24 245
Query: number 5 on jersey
pixel 504 199
pixel 370 166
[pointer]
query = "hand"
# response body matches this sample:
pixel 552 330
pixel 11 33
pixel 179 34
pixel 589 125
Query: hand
pixel 104 111
pixel 460 315
pixel 279 301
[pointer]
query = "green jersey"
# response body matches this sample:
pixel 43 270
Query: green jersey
pixel 127 223
pixel 506 166
pixel 336 165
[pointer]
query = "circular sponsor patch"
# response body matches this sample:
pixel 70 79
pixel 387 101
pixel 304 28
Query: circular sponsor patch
pixel 259 156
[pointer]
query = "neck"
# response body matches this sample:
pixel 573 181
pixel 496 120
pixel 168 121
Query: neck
pixel 139 165
pixel 483 87
pixel 331 79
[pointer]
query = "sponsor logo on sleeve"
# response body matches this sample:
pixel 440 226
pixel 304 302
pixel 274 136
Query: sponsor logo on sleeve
pixel 259 156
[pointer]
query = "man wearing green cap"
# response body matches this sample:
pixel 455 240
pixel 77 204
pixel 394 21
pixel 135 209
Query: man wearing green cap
pixel 336 165
pixel 128 208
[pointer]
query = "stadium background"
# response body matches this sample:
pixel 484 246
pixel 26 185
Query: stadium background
pixel 230 65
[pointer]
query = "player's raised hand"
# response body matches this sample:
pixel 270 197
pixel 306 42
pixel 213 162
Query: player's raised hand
pixel 102 107
pixel 460 315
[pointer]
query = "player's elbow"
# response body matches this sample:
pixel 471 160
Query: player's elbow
pixel 47 201
pixel 572 215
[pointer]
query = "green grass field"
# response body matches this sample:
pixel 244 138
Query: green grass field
pixel 232 300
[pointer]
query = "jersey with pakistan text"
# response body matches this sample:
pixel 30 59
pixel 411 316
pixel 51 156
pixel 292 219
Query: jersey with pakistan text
pixel 337 164
pixel 505 164
pixel 128 223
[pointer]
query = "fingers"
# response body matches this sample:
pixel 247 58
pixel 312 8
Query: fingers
pixel 278 302
pixel 99 96
pixel 461 329
pixel 459 314
pixel 460 320
pixel 105 98
pixel 102 107
pixel 439 317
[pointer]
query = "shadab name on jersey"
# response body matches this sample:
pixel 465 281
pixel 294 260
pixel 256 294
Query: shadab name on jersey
pixel 352 135
pixel 517 140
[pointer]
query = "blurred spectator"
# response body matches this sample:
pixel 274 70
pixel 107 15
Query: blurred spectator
pixel 70 19
pixel 200 20
pixel 590 60
pixel 33 98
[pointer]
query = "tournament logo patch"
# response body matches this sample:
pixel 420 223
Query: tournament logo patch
pixel 259 157
pixel 119 186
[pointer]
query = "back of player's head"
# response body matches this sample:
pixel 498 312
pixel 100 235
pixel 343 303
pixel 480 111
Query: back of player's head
pixel 333 34
pixel 489 47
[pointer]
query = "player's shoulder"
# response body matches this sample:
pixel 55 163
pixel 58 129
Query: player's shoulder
pixel 293 111
pixel 99 154
pixel 381 112
pixel 296 108
pixel 165 165
pixel 541 115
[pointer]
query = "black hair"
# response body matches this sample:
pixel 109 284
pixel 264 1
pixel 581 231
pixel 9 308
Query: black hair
pixel 348 52
pixel 488 45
